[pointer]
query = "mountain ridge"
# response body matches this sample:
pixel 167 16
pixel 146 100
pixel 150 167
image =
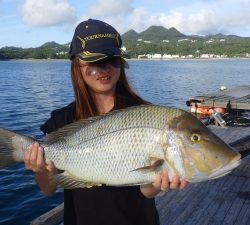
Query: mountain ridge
pixel 159 33
pixel 155 39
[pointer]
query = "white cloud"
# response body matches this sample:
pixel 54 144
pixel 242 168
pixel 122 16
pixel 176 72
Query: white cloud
pixel 114 12
pixel 139 19
pixel 136 19
pixel 202 22
pixel 42 13
pixel 198 17
pixel 124 16
pixel 173 19
pixel 207 18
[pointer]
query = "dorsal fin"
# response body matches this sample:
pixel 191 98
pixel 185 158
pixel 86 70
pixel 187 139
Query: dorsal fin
pixel 67 130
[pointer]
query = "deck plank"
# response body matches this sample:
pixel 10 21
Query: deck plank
pixel 230 134
pixel 224 201
pixel 229 200
pixel 207 202
pixel 234 209
pixel 244 194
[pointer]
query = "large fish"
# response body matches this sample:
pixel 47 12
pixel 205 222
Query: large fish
pixel 129 147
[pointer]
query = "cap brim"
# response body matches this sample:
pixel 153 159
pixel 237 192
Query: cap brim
pixel 94 57
pixel 88 56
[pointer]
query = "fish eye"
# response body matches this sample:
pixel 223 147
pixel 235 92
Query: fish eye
pixel 195 137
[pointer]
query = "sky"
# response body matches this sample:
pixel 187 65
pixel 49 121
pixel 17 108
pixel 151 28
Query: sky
pixel 31 23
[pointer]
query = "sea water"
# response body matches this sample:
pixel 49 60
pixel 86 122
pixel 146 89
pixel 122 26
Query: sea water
pixel 30 90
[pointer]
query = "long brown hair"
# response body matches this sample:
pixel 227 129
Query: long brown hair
pixel 84 103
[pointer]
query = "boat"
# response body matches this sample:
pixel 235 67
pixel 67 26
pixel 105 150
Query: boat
pixel 229 104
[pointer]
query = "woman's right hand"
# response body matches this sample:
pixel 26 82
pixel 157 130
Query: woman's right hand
pixel 34 160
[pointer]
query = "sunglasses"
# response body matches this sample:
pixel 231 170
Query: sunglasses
pixel 94 68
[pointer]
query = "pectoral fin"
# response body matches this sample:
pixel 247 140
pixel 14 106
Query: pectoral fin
pixel 155 164
pixel 67 181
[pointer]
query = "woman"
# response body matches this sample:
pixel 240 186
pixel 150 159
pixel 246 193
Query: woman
pixel 100 85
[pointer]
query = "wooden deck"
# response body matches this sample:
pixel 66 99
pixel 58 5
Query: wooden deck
pixel 238 98
pixel 218 202
pixel 225 201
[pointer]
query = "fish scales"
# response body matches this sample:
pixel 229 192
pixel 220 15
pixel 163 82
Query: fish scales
pixel 144 116
pixel 125 139
pixel 113 161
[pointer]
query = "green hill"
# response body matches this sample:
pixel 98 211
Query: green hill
pixel 155 39
pixel 153 34
pixel 158 39
pixel 159 33
pixel 130 36
pixel 51 44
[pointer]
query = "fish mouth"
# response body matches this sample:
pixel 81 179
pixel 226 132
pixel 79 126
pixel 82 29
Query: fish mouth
pixel 227 168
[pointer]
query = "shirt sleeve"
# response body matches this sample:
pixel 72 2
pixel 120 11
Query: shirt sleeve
pixel 58 119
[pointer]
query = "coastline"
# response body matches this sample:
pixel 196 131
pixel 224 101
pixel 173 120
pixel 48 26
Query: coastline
pixel 31 59
pixel 177 59
pixel 136 59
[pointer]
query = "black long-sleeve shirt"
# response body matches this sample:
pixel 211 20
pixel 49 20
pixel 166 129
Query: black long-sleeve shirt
pixel 102 205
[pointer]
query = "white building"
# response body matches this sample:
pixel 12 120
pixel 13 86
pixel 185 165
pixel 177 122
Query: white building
pixel 142 56
pixel 175 56
pixel 209 41
pixel 168 56
pixel 156 56
pixel 207 56
pixel 61 53
pixel 183 40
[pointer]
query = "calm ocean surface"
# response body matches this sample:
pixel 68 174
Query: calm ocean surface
pixel 30 90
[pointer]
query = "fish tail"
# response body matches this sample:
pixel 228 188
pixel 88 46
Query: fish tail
pixel 12 147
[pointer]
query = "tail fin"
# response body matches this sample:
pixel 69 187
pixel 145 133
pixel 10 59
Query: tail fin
pixel 12 147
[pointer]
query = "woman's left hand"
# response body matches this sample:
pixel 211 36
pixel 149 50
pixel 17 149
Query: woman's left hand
pixel 162 183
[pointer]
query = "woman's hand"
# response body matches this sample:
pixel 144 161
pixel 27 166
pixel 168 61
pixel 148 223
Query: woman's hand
pixel 162 183
pixel 34 160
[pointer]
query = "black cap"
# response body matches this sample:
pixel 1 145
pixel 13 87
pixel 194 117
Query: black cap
pixel 94 40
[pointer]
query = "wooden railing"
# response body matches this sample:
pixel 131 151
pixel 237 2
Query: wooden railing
pixel 52 217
